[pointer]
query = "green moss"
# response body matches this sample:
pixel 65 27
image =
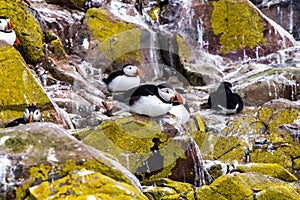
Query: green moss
pixel 238 25
pixel 15 144
pixel 118 39
pixel 269 169
pixel 27 29
pixel 56 47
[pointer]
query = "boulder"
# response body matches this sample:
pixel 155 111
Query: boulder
pixel 247 186
pixel 38 156
pixel 21 88
pixel 147 149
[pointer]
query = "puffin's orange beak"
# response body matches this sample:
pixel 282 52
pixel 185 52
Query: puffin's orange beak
pixel 11 25
pixel 30 117
pixel 140 73
pixel 17 41
pixel 172 98
pixel 179 97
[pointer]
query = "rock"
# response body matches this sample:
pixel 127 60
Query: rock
pixel 245 186
pixel 269 84
pixel 269 169
pixel 41 153
pixel 167 189
pixel 277 192
pixel 27 29
pixel 120 41
pixel 85 184
pixel 21 88
pixel 140 145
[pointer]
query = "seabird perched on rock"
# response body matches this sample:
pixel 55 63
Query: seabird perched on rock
pixel 7 34
pixel 122 80
pixel 148 100
pixel 31 114
pixel 225 100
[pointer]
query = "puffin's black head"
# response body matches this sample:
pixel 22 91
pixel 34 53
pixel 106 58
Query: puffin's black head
pixel 32 114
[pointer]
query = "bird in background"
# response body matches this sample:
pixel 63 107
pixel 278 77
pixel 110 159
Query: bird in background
pixel 122 80
pixel 7 34
pixel 31 114
pixel 225 100
pixel 148 100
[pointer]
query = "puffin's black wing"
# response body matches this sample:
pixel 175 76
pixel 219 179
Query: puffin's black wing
pixel 143 90
pixel 15 122
pixel 233 100
pixel 112 76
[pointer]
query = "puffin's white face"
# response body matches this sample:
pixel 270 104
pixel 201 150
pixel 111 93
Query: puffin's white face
pixel 167 94
pixel 32 116
pixel 5 24
pixel 132 70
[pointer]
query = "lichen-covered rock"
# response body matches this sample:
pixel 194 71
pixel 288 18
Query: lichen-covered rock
pixel 141 145
pixel 56 47
pixel 21 89
pixel 85 184
pixel 277 193
pixel 118 41
pixel 27 29
pixel 42 152
pixel 269 169
pixel 167 189
pixel 245 186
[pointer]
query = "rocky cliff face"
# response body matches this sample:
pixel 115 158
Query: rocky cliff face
pixel 68 46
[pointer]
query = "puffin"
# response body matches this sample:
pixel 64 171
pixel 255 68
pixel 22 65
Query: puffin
pixel 225 100
pixel 31 114
pixel 148 100
pixel 7 33
pixel 122 80
pixel 180 108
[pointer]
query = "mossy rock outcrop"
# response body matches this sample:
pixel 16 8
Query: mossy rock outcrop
pixel 141 145
pixel 168 189
pixel 27 29
pixel 21 89
pixel 85 184
pixel 119 41
pixel 269 169
pixel 247 186
pixel 41 153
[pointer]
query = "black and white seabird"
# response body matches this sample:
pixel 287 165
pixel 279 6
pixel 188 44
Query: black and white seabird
pixel 180 109
pixel 31 114
pixel 225 100
pixel 148 100
pixel 122 80
pixel 7 33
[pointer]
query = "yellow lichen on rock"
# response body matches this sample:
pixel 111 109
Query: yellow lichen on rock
pixel 21 89
pixel 85 183
pixel 118 39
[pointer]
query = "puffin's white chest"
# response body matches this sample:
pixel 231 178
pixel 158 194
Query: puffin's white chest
pixel 10 37
pixel 151 106
pixel 181 113
pixel 123 83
